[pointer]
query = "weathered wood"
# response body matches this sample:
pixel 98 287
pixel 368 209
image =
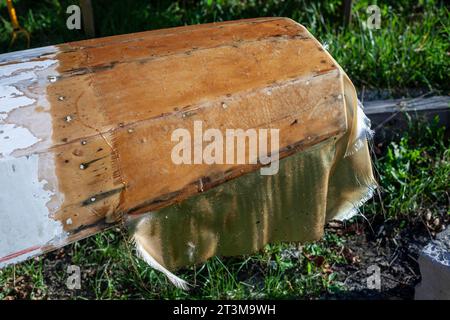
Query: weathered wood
pixel 85 127
pixel 407 105
pixel 347 12
pixel 389 114
pixel 88 18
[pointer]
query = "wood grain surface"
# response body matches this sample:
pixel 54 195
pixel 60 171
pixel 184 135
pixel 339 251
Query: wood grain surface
pixel 92 120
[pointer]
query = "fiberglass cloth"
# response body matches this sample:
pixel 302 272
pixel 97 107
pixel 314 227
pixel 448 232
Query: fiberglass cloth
pixel 328 181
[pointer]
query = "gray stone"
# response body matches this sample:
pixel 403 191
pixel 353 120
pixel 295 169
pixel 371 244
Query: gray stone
pixel 434 262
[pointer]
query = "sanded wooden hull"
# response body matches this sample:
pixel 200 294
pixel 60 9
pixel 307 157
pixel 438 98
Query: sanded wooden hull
pixel 85 127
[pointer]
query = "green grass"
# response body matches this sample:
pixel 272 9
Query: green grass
pixel 415 172
pixel 411 50
pixel 413 175
pixel 112 271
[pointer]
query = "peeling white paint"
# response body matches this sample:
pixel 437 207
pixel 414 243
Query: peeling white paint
pixel 28 67
pixel 24 216
pixel 23 88
pixel 26 55
pixel 14 137
pixel 10 97
pixel 29 194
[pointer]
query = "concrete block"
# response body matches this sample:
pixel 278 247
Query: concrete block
pixel 434 262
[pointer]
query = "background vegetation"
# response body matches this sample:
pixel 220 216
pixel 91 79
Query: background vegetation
pixel 411 50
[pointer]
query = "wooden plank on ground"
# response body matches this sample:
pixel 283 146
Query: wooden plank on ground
pixel 390 113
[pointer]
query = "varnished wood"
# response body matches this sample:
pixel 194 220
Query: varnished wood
pixel 111 105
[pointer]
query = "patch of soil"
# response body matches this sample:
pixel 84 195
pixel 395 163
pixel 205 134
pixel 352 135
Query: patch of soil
pixel 383 256
pixel 385 249
pixel 55 273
